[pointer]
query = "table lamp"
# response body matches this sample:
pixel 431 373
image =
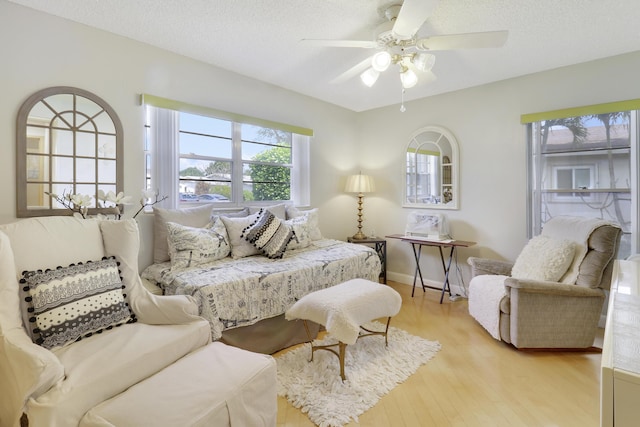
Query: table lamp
pixel 359 184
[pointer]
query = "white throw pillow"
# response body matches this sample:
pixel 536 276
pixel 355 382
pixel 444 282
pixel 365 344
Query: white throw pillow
pixel 544 258
pixel 302 232
pixel 312 215
pixel 240 248
pixel 231 213
pixel 192 246
pixel 278 210
pixel 193 217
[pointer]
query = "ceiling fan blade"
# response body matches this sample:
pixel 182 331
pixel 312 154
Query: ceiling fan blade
pixel 340 43
pixel 353 71
pixel 411 17
pixel 463 41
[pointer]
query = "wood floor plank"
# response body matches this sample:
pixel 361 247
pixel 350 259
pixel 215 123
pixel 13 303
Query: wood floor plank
pixel 476 381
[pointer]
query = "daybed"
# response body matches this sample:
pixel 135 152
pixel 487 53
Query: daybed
pixel 245 294
pixel 96 349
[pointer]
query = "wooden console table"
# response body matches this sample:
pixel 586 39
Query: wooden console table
pixel 417 244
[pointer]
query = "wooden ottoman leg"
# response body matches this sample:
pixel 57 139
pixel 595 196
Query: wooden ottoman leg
pixel 306 328
pixel 343 347
pixel 386 333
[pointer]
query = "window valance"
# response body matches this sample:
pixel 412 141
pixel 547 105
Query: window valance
pixel 171 104
pixel 608 107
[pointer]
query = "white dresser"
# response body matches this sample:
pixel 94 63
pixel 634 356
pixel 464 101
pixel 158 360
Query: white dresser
pixel 620 379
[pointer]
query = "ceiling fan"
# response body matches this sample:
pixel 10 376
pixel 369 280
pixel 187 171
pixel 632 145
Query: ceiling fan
pixel 397 44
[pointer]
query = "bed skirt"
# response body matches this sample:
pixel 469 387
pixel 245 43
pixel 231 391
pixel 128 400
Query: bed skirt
pixel 269 336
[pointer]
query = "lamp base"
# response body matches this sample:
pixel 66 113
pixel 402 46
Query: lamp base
pixel 359 236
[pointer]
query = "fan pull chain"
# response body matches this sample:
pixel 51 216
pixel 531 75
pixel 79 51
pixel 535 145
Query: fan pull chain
pixel 402 108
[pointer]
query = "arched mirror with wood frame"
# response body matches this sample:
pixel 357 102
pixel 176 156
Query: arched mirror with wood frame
pixel 431 170
pixel 69 141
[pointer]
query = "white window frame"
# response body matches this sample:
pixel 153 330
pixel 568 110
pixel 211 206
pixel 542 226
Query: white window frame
pixel 566 197
pixel 163 152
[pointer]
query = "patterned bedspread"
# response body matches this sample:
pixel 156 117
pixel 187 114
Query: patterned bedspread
pixel 233 293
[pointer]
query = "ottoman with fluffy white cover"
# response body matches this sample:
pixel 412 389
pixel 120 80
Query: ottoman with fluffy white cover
pixel 344 308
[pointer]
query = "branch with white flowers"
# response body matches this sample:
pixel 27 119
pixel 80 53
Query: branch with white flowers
pixel 76 203
pixel 113 200
pixel 149 198
pixel 114 203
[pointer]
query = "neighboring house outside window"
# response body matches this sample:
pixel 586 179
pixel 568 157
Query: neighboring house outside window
pixel 585 166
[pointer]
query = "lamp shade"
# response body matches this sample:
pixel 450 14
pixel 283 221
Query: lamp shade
pixel 424 61
pixel 381 61
pixel 369 77
pixel 360 184
pixel 408 79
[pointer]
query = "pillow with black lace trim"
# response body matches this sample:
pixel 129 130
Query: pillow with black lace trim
pixel 70 303
pixel 269 234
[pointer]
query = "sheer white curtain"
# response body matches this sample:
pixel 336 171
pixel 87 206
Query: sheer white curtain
pixel 164 154
pixel 301 175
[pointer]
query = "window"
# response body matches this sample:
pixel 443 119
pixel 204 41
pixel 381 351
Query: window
pixel 206 156
pixel 573 177
pixel 585 165
pixel 69 141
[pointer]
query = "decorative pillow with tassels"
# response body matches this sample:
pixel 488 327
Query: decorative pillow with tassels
pixel 70 303
pixel 269 234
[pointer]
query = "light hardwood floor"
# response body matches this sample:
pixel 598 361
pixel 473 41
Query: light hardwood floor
pixel 475 380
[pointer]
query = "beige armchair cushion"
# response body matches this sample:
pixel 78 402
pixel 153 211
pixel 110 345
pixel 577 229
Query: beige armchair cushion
pixel 595 270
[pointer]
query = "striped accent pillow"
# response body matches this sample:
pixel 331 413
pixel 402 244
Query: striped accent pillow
pixel 70 303
pixel 269 234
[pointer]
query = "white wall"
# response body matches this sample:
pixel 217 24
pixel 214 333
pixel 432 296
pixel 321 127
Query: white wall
pixel 39 50
pixel 486 122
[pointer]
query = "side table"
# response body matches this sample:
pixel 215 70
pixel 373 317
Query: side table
pixel 380 246
pixel 417 243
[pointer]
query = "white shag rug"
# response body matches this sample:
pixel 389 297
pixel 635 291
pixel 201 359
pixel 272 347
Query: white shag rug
pixel 372 370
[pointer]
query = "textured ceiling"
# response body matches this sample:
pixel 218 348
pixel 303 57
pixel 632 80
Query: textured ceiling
pixel 260 38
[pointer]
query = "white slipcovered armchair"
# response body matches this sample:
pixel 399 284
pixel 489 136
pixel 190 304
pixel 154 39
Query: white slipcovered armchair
pixel 553 295
pixel 124 373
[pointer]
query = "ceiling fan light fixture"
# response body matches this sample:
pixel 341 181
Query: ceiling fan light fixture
pixel 369 77
pixel 381 61
pixel 408 78
pixel 424 61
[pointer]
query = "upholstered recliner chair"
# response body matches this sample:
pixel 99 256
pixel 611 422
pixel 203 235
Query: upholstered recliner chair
pixel 552 296
pixel 72 354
